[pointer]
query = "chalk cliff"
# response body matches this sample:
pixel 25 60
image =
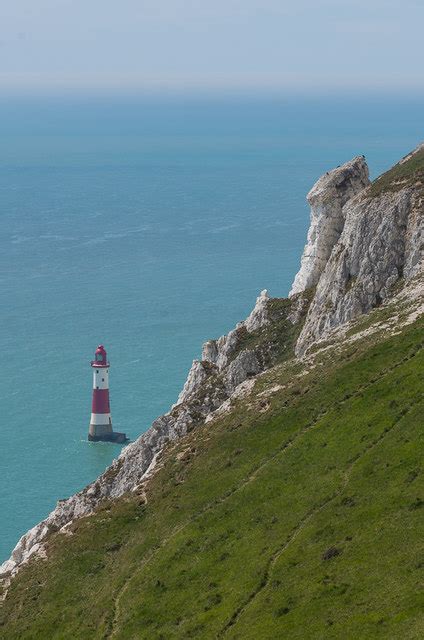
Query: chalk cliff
pixel 378 242
pixel 327 199
pixel 217 354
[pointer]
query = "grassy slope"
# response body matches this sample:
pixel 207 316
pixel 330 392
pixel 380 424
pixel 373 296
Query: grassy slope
pixel 407 173
pixel 234 538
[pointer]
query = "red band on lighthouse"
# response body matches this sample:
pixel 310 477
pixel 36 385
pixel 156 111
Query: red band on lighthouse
pixel 100 402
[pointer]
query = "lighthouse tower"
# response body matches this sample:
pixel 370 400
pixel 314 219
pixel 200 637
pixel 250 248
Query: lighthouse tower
pixel 101 420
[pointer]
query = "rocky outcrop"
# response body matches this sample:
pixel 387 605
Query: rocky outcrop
pixel 259 316
pixel 198 374
pixel 381 241
pixel 414 236
pixel 219 352
pixel 244 366
pixel 327 199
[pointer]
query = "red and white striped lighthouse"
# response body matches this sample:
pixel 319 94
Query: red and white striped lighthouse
pixel 101 419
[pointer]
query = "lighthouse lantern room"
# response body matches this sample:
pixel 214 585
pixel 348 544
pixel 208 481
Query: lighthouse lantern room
pixel 101 419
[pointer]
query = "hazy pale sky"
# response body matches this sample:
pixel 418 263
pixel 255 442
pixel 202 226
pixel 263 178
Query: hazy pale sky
pixel 180 44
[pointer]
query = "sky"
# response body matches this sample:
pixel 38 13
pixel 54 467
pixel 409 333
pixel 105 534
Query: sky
pixel 209 44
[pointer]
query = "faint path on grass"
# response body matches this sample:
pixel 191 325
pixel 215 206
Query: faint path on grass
pixel 288 444
pixel 301 525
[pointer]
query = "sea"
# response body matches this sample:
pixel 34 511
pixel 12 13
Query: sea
pixel 148 224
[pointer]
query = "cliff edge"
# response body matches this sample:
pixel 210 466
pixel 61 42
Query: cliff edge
pixel 327 199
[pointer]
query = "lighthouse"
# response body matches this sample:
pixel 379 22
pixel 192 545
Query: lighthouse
pixel 101 420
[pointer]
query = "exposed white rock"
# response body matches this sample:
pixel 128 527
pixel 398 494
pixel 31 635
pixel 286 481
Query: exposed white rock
pixel 382 240
pixel 217 354
pixel 409 299
pixel 220 351
pixel 259 316
pixel 210 351
pixel 243 389
pixel 327 199
pixel 198 374
pixel 244 366
pixel 414 240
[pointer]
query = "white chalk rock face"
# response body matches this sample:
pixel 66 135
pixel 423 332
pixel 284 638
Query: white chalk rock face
pixel 244 366
pixel 196 377
pixel 259 315
pixel 327 199
pixel 414 238
pixel 220 351
pixel 382 241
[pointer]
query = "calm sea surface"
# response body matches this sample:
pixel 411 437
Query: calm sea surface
pixel 150 226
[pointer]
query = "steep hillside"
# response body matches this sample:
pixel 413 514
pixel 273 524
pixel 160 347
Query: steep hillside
pixel 283 495
pixel 297 514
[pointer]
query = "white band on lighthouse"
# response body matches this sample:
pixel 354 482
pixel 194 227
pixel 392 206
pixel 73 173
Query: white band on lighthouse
pixel 101 418
pixel 100 378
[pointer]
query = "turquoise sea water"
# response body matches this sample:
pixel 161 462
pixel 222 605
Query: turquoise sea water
pixel 149 225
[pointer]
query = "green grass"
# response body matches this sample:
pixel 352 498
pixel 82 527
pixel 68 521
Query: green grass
pixel 304 521
pixel 401 175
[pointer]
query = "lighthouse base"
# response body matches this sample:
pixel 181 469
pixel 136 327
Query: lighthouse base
pixel 105 433
pixel 112 436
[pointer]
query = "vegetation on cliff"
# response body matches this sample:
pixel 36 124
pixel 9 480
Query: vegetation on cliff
pixel 406 173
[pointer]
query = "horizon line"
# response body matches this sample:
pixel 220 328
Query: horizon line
pixel 35 83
